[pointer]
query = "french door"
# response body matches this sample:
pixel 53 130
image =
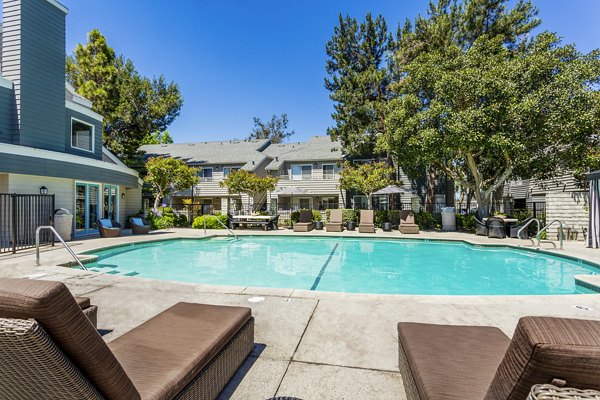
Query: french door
pixel 87 208
pixel 110 202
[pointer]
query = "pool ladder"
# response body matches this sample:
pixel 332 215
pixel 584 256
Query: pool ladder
pixel 544 229
pixel 60 239
pixel 229 231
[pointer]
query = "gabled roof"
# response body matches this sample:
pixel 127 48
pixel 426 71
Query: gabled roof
pixel 247 152
pixel 318 148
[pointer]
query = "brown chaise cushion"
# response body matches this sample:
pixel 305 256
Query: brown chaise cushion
pixel 545 348
pixel 83 302
pixel 53 306
pixel 165 353
pixel 452 362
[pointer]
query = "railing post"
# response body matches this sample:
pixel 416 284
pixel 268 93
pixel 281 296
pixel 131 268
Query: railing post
pixel 14 221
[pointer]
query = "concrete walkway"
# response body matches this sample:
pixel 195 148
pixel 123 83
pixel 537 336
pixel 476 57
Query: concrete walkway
pixel 312 345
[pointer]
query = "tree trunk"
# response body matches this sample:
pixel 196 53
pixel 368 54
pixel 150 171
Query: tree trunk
pixel 484 202
pixel 157 201
pixel 430 197
pixel 369 199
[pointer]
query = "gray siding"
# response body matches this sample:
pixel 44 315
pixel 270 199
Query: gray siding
pixel 34 59
pixel 18 164
pixel 97 154
pixel 7 115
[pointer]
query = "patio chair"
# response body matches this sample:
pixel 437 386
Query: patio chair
pixel 481 228
pixel 366 224
pixel 109 228
pixel 514 229
pixel 89 310
pixel 496 228
pixel 407 222
pixel 480 362
pixel 139 226
pixel 48 349
pixel 336 221
pixel 305 224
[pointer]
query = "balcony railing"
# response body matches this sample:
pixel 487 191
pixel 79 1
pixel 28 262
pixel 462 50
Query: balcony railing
pixel 327 177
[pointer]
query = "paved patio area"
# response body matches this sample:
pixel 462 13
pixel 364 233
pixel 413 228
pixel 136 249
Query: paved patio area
pixel 312 345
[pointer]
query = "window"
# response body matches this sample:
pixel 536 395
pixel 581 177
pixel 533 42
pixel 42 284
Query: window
pixel 82 135
pixel 228 170
pixel 305 203
pixel 328 171
pixel 301 172
pixel 328 203
pixel 360 202
pixel 206 174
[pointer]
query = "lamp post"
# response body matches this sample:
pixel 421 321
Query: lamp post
pixel 43 190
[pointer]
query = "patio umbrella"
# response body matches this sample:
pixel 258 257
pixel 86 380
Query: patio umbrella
pixel 594 224
pixel 392 189
pixel 290 191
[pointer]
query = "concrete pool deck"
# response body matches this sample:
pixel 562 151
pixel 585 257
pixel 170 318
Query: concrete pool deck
pixel 311 345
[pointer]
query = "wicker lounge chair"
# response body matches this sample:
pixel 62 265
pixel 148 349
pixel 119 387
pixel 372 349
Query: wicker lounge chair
pixel 139 226
pixel 48 349
pixel 366 224
pixel 481 228
pixel 305 224
pixel 496 228
pixel 109 228
pixel 89 310
pixel 478 362
pixel 336 221
pixel 407 222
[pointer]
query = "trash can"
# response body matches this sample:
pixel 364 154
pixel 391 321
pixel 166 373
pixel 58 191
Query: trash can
pixel 63 223
pixel 448 219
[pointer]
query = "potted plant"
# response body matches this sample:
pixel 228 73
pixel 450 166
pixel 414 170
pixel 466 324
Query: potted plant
pixel 387 226
pixel 317 219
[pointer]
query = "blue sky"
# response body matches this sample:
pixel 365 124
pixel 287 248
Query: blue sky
pixel 234 60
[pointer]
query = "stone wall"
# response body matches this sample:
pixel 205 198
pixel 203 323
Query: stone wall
pixel 569 207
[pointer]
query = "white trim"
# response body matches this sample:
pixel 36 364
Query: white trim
pixel 92 141
pixel 6 83
pixel 59 6
pixel 56 156
pixel 112 157
pixel 76 97
pixel 83 110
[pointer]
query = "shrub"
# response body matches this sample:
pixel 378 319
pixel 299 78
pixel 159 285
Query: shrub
pixel 165 218
pixel 465 223
pixel 211 221
pixel 426 220
pixel 382 216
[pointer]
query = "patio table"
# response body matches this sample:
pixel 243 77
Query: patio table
pixel 252 219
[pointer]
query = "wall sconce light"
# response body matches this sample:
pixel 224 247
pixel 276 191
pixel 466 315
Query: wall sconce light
pixel 315 165
pixel 122 195
pixel 43 190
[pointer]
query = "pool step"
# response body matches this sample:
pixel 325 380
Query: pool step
pixel 115 272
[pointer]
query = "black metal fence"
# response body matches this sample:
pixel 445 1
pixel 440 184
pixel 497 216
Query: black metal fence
pixel 20 215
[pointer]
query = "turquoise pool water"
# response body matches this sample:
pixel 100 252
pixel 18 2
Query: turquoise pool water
pixel 349 265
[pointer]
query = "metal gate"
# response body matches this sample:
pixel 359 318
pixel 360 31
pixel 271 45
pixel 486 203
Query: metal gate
pixel 20 215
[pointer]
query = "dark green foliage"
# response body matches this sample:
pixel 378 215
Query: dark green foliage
pixel 166 218
pixel 276 129
pixel 358 81
pixel 348 215
pixel 134 107
pixel 465 223
pixel 427 220
pixel 211 221
pixel 382 216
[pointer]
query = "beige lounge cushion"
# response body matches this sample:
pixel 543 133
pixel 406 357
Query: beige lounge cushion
pixel 165 353
pixel 52 305
pixel 546 348
pixel 452 362
pixel 336 216
pixel 366 217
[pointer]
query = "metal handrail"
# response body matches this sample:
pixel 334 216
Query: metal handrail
pixel 560 234
pixel 527 225
pixel 230 232
pixel 37 245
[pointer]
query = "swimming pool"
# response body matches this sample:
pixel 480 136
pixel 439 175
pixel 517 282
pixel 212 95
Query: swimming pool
pixel 357 265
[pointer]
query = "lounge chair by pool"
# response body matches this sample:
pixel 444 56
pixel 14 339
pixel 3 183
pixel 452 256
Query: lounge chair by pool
pixel 305 224
pixel 139 226
pixel 335 223
pixel 407 222
pixel 109 228
pixel 366 224
pixel 49 349
pixel 480 362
